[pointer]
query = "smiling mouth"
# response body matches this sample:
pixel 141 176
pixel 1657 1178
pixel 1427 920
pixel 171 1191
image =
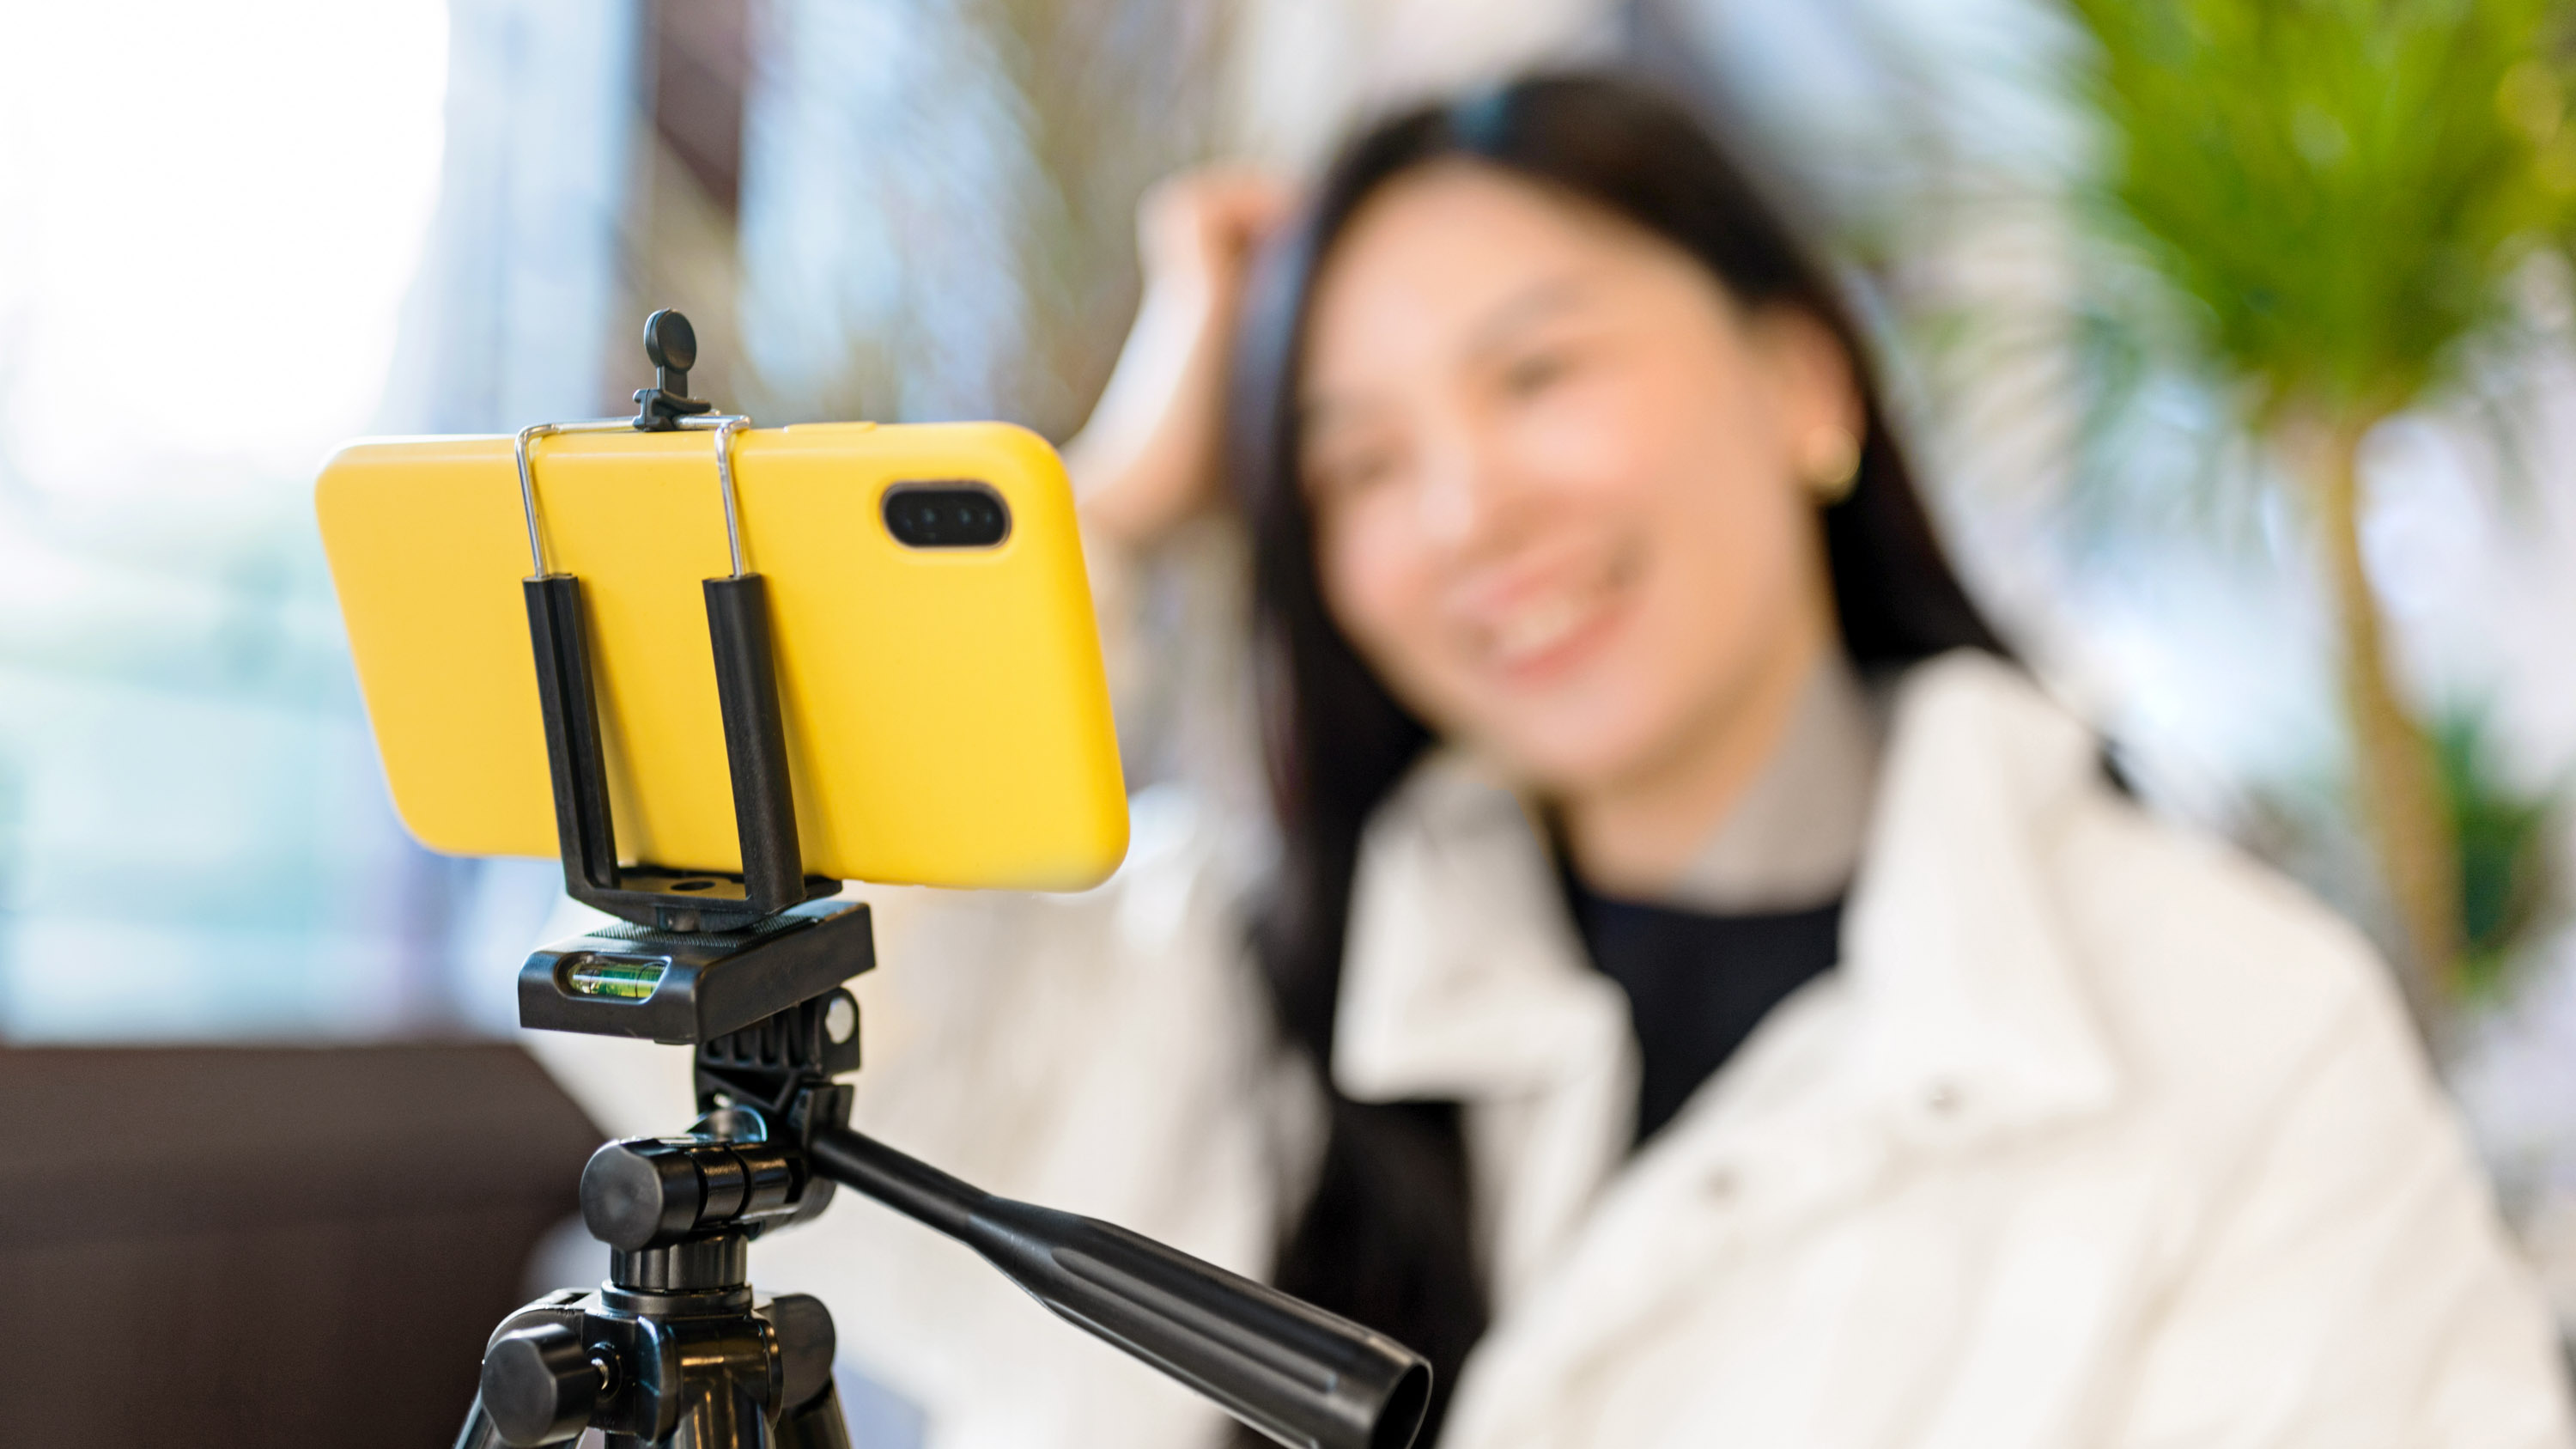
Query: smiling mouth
pixel 1528 634
pixel 1549 629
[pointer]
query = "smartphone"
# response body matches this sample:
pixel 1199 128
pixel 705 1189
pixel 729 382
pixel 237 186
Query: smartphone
pixel 947 714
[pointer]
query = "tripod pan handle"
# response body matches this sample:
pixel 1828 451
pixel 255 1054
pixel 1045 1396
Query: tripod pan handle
pixel 1307 1378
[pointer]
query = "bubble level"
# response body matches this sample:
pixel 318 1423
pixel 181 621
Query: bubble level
pixel 620 978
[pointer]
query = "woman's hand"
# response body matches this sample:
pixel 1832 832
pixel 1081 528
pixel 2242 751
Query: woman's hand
pixel 1147 460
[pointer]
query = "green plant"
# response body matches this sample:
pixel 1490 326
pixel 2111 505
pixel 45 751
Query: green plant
pixel 2503 839
pixel 2332 197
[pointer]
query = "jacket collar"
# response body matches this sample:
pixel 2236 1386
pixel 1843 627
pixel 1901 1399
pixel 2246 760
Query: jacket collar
pixel 1464 979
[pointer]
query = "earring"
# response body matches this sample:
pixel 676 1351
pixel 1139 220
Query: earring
pixel 1832 465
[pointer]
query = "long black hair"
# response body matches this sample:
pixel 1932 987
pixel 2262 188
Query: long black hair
pixel 1384 1238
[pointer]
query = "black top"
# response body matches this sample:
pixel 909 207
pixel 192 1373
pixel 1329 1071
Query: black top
pixel 1698 984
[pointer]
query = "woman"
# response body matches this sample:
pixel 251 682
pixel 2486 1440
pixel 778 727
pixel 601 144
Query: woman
pixel 1698 989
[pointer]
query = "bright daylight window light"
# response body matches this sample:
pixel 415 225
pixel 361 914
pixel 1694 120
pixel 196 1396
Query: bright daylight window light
pixel 216 212
pixel 210 217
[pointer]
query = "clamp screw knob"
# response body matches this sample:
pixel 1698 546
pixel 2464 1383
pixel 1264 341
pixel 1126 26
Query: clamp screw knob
pixel 669 341
pixel 640 1193
pixel 671 345
pixel 540 1385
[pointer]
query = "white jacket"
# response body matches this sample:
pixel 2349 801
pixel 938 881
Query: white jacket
pixel 2099 1135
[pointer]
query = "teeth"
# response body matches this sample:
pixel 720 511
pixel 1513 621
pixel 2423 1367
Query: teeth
pixel 1535 629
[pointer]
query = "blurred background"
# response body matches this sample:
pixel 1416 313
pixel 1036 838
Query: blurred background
pixel 2239 336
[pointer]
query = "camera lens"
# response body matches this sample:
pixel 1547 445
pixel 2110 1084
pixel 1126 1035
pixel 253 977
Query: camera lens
pixel 946 514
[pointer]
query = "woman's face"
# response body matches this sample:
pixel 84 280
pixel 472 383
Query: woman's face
pixel 1556 476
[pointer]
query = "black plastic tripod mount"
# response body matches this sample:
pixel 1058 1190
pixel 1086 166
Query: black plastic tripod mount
pixel 674 1349
pixel 749 969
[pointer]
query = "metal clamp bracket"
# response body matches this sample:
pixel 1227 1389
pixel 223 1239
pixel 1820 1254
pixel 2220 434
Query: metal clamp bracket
pixel 773 877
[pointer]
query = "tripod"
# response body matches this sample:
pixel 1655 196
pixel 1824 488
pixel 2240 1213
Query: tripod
pixel 749 970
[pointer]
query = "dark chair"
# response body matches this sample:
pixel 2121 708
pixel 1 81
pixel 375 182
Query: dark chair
pixel 245 1246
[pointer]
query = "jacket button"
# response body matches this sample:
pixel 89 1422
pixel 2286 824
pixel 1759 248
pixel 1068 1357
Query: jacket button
pixel 1941 1099
pixel 1720 1185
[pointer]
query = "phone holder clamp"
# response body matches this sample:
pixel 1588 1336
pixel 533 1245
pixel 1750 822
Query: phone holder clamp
pixel 772 877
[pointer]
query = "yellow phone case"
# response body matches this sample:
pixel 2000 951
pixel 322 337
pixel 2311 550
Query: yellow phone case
pixel 947 715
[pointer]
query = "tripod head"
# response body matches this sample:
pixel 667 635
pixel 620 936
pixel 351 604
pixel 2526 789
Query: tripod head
pixel 749 970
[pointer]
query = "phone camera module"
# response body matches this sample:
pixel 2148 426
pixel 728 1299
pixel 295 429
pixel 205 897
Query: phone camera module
pixel 946 515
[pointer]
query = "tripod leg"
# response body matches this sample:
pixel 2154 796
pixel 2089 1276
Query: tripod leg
pixel 478 1432
pixel 815 1424
pixel 727 1416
